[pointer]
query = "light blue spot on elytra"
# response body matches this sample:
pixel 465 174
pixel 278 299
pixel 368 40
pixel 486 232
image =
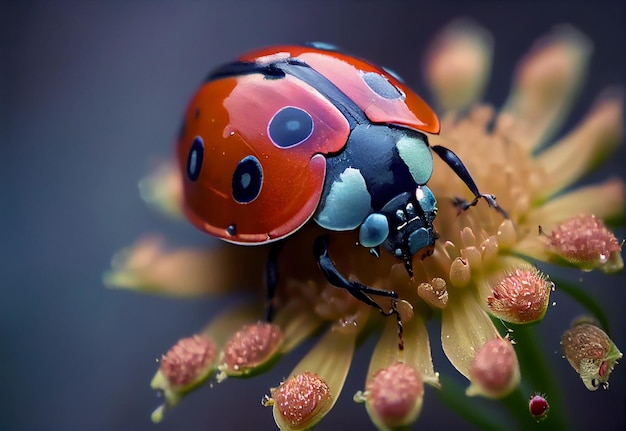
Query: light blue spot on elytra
pixel 347 204
pixel 417 157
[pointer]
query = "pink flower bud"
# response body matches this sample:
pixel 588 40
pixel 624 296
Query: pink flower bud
pixel 250 347
pixel 538 407
pixel 300 401
pixel 494 371
pixel 189 361
pixel 394 396
pixel 585 242
pixel 521 296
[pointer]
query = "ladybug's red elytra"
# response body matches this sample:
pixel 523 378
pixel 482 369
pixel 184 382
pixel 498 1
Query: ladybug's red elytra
pixel 292 134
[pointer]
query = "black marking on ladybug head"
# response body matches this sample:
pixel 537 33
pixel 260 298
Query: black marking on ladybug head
pixel 289 127
pixel 381 86
pixel 231 230
pixel 247 180
pixel 195 158
pixel 411 233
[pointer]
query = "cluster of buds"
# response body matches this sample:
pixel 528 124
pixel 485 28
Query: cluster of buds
pixel 481 269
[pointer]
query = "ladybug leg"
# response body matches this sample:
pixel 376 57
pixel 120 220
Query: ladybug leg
pixel 271 278
pixel 356 289
pixel 459 168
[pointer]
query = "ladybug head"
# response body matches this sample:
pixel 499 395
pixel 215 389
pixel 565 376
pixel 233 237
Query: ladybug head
pixel 404 226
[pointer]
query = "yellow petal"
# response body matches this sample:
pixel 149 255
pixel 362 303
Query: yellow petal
pixel 324 367
pixel 149 267
pixel 465 328
pixel 605 201
pixel 584 148
pixel 458 64
pixel 546 81
pixel 162 190
pixel 416 353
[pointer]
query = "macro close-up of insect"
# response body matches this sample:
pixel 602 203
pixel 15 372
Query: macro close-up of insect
pixel 312 215
pixel 290 134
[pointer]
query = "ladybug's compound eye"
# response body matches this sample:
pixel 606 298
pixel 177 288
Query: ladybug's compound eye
pixel 194 160
pixel 374 230
pixel 289 127
pixel 247 180
pixel 381 86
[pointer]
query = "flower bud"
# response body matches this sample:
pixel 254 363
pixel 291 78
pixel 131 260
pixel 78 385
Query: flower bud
pixel 250 348
pixel 521 296
pixel 538 407
pixel 189 361
pixel 394 396
pixel 591 352
pixel 585 241
pixel 494 371
pixel 300 401
pixel 184 367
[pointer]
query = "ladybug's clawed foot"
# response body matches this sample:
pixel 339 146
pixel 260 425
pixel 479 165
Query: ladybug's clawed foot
pixel 463 205
pixel 360 291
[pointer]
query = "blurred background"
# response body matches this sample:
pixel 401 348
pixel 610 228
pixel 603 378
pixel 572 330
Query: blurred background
pixel 91 96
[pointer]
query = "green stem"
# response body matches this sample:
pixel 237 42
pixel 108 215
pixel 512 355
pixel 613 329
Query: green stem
pixel 452 394
pixel 584 299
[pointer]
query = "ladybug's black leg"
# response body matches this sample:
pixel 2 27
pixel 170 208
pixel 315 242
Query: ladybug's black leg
pixel 271 278
pixel 356 289
pixel 459 168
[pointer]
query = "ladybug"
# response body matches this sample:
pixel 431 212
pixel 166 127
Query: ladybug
pixel 292 134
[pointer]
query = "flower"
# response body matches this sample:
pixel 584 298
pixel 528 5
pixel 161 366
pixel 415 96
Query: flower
pixel 482 264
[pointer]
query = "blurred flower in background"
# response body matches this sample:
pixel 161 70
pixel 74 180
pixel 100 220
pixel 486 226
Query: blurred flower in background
pixel 482 273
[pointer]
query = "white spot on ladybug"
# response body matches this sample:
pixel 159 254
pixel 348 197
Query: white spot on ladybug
pixel 323 46
pixel 381 86
pixel 347 204
pixel 416 155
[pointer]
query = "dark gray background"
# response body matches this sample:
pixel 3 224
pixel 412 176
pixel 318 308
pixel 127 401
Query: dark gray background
pixel 91 93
